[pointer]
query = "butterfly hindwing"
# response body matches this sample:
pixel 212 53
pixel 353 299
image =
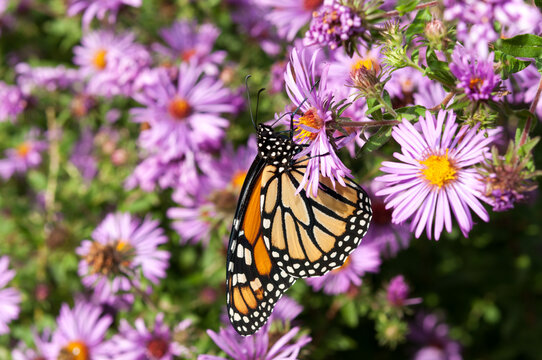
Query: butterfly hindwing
pixel 253 281
pixel 310 236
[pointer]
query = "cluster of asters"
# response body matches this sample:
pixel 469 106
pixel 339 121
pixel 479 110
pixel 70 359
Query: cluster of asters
pixel 184 109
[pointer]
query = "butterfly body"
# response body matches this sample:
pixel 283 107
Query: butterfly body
pixel 279 235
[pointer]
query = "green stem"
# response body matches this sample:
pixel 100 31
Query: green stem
pixel 386 105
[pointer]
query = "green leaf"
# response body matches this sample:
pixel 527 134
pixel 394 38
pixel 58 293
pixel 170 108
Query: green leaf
pixel 373 107
pixel 439 70
pixel 418 24
pixel 405 6
pixel 538 3
pixel 411 112
pixel 378 139
pixel 525 45
pixel 510 64
pixel 349 314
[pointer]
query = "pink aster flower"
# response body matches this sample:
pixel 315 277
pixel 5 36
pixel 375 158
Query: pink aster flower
pixel 188 41
pixel 142 343
pixel 184 115
pixel 123 249
pixel 47 77
pixel 214 201
pixel 432 335
pixel 10 298
pixel 25 156
pixel 80 333
pixel 476 75
pixel 435 174
pixel 311 128
pixel 99 9
pixel 12 102
pixel 23 352
pixel 397 292
pixel 390 238
pixel 111 63
pixel 264 344
pixel 289 16
pixel 366 258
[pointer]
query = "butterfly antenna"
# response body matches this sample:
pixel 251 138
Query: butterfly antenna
pixel 248 100
pixel 258 102
pixel 297 109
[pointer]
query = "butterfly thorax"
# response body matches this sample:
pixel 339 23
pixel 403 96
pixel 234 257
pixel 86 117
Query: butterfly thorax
pixel 275 148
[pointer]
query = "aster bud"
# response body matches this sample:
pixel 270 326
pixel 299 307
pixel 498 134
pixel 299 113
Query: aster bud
pixel 365 77
pixel 435 32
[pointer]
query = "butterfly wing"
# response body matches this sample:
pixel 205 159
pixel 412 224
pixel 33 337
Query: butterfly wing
pixel 309 236
pixel 254 282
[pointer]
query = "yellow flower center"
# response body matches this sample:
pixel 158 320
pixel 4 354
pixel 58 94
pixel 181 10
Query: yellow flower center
pixel 438 170
pixel 311 5
pixel 99 60
pixel 238 179
pixel 23 149
pixel 368 63
pixel 311 119
pixel 344 266
pixel 75 350
pixel 179 108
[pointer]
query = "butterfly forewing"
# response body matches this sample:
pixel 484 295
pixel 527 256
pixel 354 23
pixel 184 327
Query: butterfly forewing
pixel 254 282
pixel 309 236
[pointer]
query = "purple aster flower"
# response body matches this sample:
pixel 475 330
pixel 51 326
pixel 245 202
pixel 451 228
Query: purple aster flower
pixel 476 75
pixel 435 173
pixel 47 77
pixel 22 352
pixel 397 292
pixel 383 233
pixel 82 156
pixel 80 333
pixel 366 258
pixel 263 344
pixel 523 85
pixel 432 336
pixel 476 19
pixel 311 128
pixel 25 156
pixel 332 25
pixel 10 298
pixel 12 102
pixel 250 16
pixel 188 41
pixel 110 62
pixel 341 65
pixel 289 16
pixel 183 116
pixel 99 9
pixel 122 250
pixel 141 343
pixel 213 203
pixel 277 77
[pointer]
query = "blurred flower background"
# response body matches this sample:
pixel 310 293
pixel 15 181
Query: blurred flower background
pixel 125 138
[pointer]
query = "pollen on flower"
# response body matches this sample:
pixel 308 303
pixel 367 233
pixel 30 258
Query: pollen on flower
pixel 344 266
pixel 476 83
pixel 75 350
pixel 109 258
pixel 368 63
pixel 438 170
pixel 186 55
pixel 179 108
pixel 23 149
pixel 99 59
pixel 238 179
pixel 311 5
pixel 157 348
pixel 309 119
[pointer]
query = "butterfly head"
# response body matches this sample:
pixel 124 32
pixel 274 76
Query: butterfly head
pixel 274 146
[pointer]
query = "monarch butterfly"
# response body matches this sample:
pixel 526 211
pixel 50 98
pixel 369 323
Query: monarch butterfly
pixel 278 236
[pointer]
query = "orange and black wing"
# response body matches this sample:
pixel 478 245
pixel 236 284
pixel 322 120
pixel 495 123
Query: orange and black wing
pixel 254 282
pixel 309 236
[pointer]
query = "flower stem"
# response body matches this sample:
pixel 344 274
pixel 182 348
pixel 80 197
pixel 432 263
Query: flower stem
pixel 369 123
pixel 386 105
pixel 532 109
pixel 395 13
pixel 444 102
